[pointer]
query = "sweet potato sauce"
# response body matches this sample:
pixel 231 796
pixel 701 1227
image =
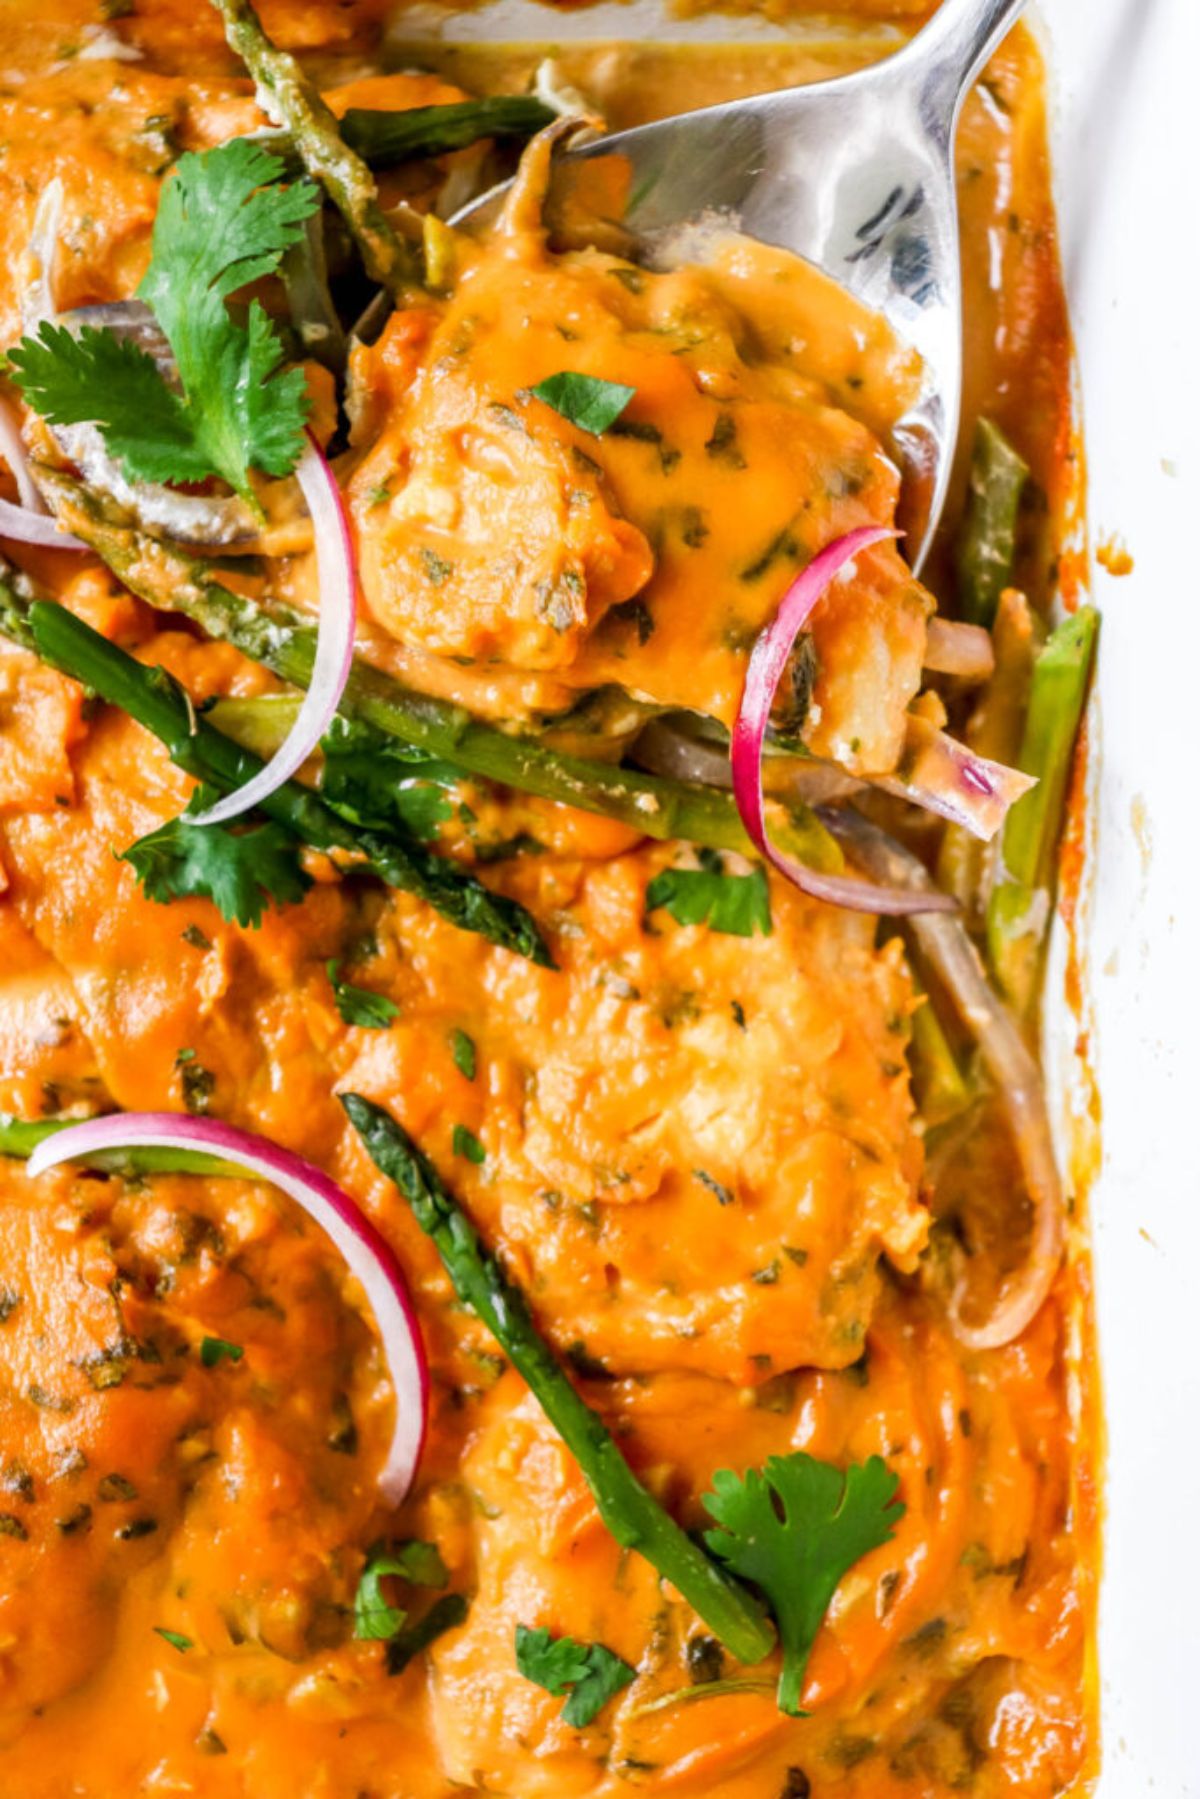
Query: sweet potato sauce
pixel 699 1153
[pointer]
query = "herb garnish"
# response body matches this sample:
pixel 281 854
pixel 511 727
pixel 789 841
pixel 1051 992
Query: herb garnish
pixel 239 870
pixel 222 223
pixel 585 400
pixel 218 1349
pixel 175 1638
pixel 375 1618
pixel 795 1528
pixel 462 1048
pixel 372 781
pixel 358 1005
pixel 466 1143
pixel 591 1673
pixel 738 905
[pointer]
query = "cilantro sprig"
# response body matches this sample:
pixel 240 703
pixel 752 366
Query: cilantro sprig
pixel 795 1528
pixel 376 1619
pixel 589 1672
pixel 241 871
pixel 738 905
pixel 223 222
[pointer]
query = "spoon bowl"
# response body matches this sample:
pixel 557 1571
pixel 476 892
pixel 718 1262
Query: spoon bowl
pixel 855 175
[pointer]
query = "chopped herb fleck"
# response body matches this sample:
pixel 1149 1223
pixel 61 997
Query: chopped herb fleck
pixel 585 400
pixel 217 1349
pixel 591 1673
pixel 175 1638
pixel 466 1143
pixel 114 1489
pixel 79 1518
pixel 137 1527
pixel 358 1005
pixel 723 443
pixel 737 905
pixel 462 1048
pixel 723 1196
pixel 437 569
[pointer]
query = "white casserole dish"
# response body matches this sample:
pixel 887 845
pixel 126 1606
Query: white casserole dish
pixel 1123 77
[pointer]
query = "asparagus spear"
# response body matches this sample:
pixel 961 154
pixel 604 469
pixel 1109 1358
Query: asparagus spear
pixel 1019 907
pixel 19 1138
pixel 382 136
pixel 941 1088
pixel 284 641
pixel 634 1517
pixel 328 158
pixel 151 697
pixel 988 543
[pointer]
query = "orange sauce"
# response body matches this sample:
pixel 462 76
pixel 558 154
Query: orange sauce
pixel 614 1097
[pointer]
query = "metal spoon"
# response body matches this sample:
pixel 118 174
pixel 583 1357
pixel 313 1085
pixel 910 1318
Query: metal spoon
pixel 857 176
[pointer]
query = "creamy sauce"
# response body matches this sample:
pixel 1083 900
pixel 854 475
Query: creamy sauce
pixel 615 1099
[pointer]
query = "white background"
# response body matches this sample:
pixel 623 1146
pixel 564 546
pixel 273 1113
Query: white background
pixel 1129 164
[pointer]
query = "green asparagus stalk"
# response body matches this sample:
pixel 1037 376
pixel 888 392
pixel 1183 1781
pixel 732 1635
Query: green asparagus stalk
pixel 383 136
pixel 326 155
pixel 19 1137
pixel 938 1081
pixel 1019 907
pixel 987 546
pixel 629 1511
pixel 284 642
pixel 151 697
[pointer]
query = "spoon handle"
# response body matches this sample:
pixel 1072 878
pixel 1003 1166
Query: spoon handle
pixel 953 47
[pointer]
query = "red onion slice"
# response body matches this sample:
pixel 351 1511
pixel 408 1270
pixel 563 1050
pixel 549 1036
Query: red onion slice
pixel 767 663
pixel 29 522
pixel 19 526
pixel 366 1253
pixel 338 586
pixel 941 775
pixel 949 950
pixel 12 448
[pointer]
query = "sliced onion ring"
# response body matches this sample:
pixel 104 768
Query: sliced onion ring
pixel 338 586
pixel 767 663
pixel 366 1253
pixel 950 952
pixel 12 448
pixel 20 526
pixel 943 776
pixel 29 522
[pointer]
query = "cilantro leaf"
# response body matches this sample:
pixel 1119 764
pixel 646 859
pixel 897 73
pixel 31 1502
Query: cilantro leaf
pixel 99 378
pixel 374 782
pixel 585 400
pixel 737 905
pixel 218 1349
pixel 591 1673
pixel 175 1638
pixel 795 1528
pixel 375 1618
pixel 238 870
pixel 223 222
pixel 358 1005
